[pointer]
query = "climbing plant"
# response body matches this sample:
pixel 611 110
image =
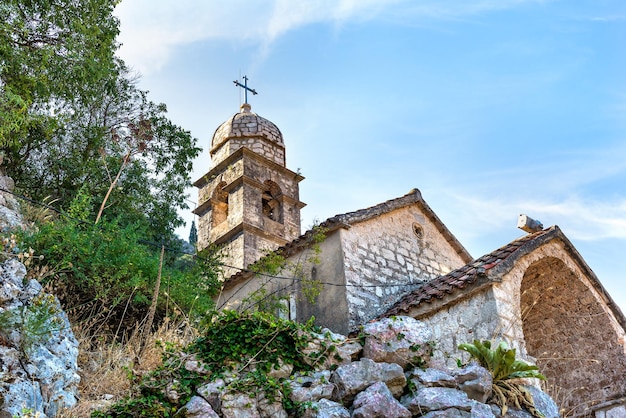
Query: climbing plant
pixel 250 344
pixel 276 265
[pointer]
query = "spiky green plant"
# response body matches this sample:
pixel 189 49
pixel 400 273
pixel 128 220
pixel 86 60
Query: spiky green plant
pixel 503 367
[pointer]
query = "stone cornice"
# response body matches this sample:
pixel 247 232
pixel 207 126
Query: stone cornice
pixel 244 227
pixel 239 154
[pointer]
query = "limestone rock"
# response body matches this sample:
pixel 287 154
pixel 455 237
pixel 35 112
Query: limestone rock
pixel 211 393
pixel 283 371
pixel 325 408
pixel 193 364
pixel 39 352
pixel 239 405
pixel 355 377
pixel 476 381
pixel 432 399
pixel 330 349
pixel 431 378
pixel 311 388
pixel 448 413
pixel 402 340
pixel 9 219
pixel 377 401
pixel 517 413
pixel 270 408
pixel 481 410
pixel 197 407
pixel 543 402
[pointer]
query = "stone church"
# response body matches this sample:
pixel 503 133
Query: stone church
pixel 399 258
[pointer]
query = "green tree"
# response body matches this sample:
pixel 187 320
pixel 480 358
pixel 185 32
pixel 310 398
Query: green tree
pixel 51 52
pixel 193 234
pixel 72 117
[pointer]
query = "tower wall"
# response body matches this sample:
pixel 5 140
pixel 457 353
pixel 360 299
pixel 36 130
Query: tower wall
pixel 249 201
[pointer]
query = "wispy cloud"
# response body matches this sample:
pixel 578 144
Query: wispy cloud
pixel 581 218
pixel 608 18
pixel 152 29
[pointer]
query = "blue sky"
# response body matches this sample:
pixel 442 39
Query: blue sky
pixel 491 108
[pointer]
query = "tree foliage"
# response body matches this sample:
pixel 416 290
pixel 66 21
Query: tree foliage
pixel 72 116
pixel 102 274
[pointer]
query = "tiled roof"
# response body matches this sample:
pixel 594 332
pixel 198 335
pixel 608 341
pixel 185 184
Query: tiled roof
pixel 464 276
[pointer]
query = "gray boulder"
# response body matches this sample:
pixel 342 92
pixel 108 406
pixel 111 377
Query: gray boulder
pixel 239 405
pixel 311 388
pixel 355 377
pixel 197 407
pixel 543 403
pixel 402 340
pixel 431 378
pixel 39 351
pixel 448 413
pixel 211 393
pixel 325 408
pixel 329 349
pixel 378 402
pixel 476 381
pixel 432 399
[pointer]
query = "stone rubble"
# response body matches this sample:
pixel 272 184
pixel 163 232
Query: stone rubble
pixel 368 388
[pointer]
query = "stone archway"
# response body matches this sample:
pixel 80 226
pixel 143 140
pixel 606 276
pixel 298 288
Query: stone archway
pixel 569 331
pixel 219 203
pixel 271 201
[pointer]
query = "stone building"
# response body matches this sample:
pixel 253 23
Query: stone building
pixel 399 258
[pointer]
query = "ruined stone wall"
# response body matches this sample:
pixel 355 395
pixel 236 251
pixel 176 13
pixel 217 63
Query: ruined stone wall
pixel 389 255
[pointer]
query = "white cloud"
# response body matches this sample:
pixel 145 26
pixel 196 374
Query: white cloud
pixel 152 29
pixel 581 219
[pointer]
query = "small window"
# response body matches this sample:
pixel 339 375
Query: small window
pixel 271 202
pixel 418 231
pixel 219 204
pixel 287 307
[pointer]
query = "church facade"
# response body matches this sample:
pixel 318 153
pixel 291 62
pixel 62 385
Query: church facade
pixel 399 258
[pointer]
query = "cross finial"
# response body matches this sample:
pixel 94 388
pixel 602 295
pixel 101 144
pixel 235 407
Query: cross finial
pixel 245 87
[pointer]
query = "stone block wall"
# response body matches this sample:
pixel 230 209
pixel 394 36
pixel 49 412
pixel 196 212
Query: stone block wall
pixel 389 255
pixel 470 319
pixel 243 178
pixel 569 332
pixel 259 145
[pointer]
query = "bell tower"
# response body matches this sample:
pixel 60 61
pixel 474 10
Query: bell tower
pixel 249 201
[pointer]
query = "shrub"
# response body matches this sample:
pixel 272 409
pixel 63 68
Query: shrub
pixel 103 271
pixel 503 366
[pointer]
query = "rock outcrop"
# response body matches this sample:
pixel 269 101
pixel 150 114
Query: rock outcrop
pixel 38 351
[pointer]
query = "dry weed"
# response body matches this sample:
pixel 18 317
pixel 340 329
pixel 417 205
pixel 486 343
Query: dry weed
pixel 106 368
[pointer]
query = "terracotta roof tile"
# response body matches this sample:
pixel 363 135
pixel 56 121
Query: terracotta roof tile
pixel 461 277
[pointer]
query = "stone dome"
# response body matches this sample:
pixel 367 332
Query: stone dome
pixel 246 124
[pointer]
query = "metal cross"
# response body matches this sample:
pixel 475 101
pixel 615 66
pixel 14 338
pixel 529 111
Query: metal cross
pixel 245 87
